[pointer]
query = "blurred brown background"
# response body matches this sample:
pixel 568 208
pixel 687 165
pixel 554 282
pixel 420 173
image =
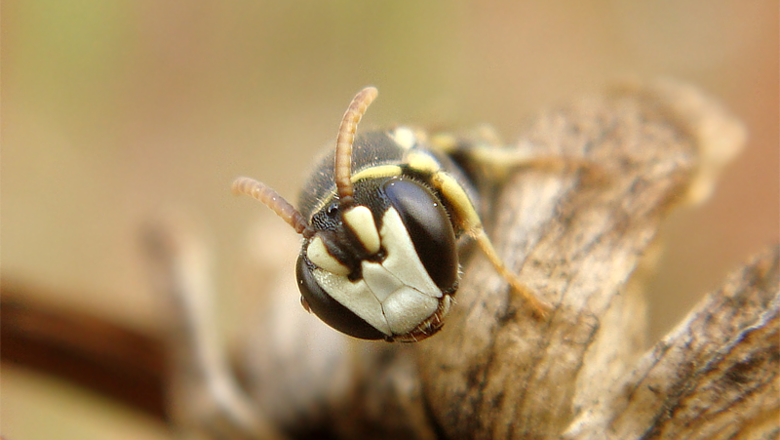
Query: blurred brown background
pixel 114 109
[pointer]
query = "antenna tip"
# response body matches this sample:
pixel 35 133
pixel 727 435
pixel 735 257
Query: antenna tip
pixel 244 186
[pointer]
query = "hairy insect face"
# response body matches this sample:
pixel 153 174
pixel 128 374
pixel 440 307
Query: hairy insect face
pixel 384 268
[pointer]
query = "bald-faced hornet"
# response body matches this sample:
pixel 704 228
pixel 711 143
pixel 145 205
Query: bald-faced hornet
pixel 381 218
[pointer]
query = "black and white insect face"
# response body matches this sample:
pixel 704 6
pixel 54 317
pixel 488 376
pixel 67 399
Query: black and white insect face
pixel 379 257
pixel 385 267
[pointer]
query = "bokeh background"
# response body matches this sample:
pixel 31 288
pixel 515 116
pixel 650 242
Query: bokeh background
pixel 112 110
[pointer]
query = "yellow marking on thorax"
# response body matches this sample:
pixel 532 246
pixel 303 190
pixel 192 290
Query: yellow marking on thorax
pixel 444 142
pixel 422 162
pixel 404 137
pixel 377 172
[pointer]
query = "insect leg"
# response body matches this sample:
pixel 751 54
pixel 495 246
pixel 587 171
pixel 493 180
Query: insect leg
pixel 540 308
pixel 485 152
pixel 467 219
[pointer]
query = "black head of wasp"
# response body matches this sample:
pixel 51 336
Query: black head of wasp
pixel 380 219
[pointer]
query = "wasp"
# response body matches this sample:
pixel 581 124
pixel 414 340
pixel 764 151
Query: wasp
pixel 381 219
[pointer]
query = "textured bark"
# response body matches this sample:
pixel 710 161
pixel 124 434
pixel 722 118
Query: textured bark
pixel 578 224
pixel 578 246
pixel 714 376
pixel 581 239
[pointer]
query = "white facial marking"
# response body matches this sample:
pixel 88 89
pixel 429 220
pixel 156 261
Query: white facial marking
pixel 407 308
pixel 319 255
pixel 394 296
pixel 361 222
pixel 404 137
pixel 402 260
pixel 355 296
pixel 380 280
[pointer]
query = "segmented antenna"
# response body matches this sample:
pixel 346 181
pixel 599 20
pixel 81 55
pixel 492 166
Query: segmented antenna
pixel 343 171
pixel 277 203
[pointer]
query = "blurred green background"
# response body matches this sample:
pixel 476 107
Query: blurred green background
pixel 113 109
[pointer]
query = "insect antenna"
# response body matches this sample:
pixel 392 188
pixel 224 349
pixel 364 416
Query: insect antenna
pixel 343 169
pixel 277 203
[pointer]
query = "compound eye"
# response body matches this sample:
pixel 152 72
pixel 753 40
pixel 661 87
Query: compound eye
pixel 328 309
pixel 429 227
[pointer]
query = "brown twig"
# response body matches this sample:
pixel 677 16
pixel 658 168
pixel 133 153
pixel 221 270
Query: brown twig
pixel 103 356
